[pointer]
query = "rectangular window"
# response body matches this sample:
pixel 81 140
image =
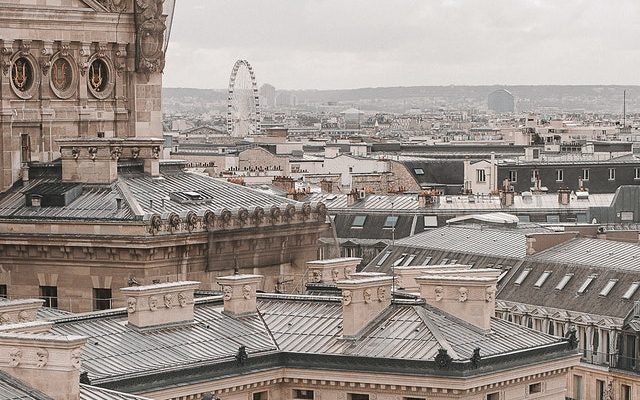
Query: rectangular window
pixel 50 296
pixel 631 291
pixel 383 258
pixel 3 291
pixel 357 396
pixel 408 260
pixel 444 261
pixel 418 171
pixel 553 219
pixel 101 299
pixel 534 175
pixel 559 175
pixel 626 215
pixel 513 176
pixel 522 276
pixel 586 283
pixel 358 221
pixel 563 282
pixel 599 389
pixel 399 260
pixel 535 388
pixel 637 175
pixel 607 288
pixel 260 396
pixel 430 221
pixel 303 394
pixel 585 174
pixel 493 396
pixel 612 174
pixel 542 279
pixel 626 392
pixel 577 387
pixel 503 274
pixel 481 175
pixel 25 142
pixel 427 261
pixel 391 221
pixel 524 218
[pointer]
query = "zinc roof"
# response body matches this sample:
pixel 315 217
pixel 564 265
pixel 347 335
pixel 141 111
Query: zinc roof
pixel 595 252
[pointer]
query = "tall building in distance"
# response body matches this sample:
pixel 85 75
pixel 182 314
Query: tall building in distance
pixel 501 101
pixel 268 95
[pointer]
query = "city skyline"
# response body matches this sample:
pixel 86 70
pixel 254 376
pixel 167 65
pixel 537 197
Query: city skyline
pixel 336 45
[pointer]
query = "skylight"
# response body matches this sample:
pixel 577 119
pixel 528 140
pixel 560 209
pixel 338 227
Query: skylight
pixel 408 260
pixel 383 258
pixel 399 260
pixel 586 283
pixel 503 274
pixel 418 171
pixel 542 279
pixel 523 276
pixel 607 288
pixel 631 291
pixel 358 221
pixel 563 282
pixel 391 221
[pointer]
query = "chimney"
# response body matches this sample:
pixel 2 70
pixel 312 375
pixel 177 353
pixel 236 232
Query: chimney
pixel 326 186
pixel 89 160
pixel 564 196
pixel 160 304
pixel 537 242
pixel 48 363
pixel 19 311
pixel 239 293
pixel 364 297
pixel 285 183
pixel 507 194
pixel 406 276
pixel 467 295
pixel 332 270
pixel 352 198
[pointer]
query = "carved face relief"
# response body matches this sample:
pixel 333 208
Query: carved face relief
pixel 315 276
pixel 367 296
pixel 4 319
pixel 168 298
pixel 463 294
pixel 246 292
pixel 43 357
pixel 346 297
pixel 153 303
pixel 439 291
pixel 228 293
pixel 182 299
pixel 490 294
pixel 382 293
pixel 15 356
pixel 347 272
pixel 23 316
pixel 335 274
pixel 76 359
pixel 131 305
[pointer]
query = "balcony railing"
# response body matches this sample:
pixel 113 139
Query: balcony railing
pixel 612 360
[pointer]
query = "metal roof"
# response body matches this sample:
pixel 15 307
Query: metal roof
pixel 594 252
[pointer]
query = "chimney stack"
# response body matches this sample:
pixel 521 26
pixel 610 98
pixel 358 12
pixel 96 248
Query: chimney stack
pixel 160 304
pixel 19 311
pixel 48 363
pixel 332 270
pixel 406 276
pixel 239 293
pixel 467 295
pixel 564 196
pixel 364 297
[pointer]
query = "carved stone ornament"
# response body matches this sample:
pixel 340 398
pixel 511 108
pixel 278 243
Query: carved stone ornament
pixel 149 36
pixel 367 296
pixel 191 220
pixel 15 357
pixel 43 357
pixel 463 294
pixel 490 294
pixel 257 215
pixel 346 297
pixel 114 5
pixel 155 223
pixel 76 361
pixel 382 293
pixel 274 213
pixel 438 293
pixel 227 293
pixel 209 219
pixel 182 299
pixel 443 360
pixel 131 305
pixel 475 358
pixel 246 292
pixel 316 277
pixel 168 300
pixel 153 303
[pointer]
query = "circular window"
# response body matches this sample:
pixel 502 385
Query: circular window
pixel 63 78
pixel 99 78
pixel 23 77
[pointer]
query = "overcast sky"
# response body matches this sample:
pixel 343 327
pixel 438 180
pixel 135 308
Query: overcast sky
pixel 335 44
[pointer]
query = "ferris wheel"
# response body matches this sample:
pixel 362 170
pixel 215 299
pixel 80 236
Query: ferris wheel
pixel 243 112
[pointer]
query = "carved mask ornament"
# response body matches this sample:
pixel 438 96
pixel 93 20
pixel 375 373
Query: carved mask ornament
pixel 131 305
pixel 463 294
pixel 228 293
pixel 43 357
pixel 346 297
pixel 246 292
pixel 439 292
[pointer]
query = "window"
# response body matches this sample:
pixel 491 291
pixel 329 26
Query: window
pixel 586 283
pixel 534 175
pixel 493 396
pixel 391 221
pixel 522 276
pixel 626 215
pixel 612 174
pixel 418 171
pixel 503 274
pixel 50 296
pixel 444 261
pixel 427 260
pixel 25 144
pixel 383 258
pixel 260 396
pixel 3 291
pixel 303 394
pixel 350 169
pixel 399 260
pixel 552 219
pixel 481 175
pixel 607 288
pixel 430 221
pixel 535 388
pixel 524 218
pixel 358 221
pixel 357 396
pixel 563 282
pixel 542 279
pixel 559 175
pixel 101 299
pixel 577 387
pixel 631 291
pixel 637 174
pixel 599 389
pixel 585 174
pixel 408 260
pixel 626 392
pixel 513 176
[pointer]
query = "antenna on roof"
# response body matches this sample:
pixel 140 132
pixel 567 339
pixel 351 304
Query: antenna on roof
pixel 393 269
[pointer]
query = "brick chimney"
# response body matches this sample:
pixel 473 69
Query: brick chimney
pixel 48 363
pixel 332 270
pixel 19 311
pixel 564 196
pixel 364 297
pixel 467 295
pixel 326 186
pixel 239 293
pixel 285 183
pixel 160 304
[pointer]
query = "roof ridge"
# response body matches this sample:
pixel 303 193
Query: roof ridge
pixel 435 331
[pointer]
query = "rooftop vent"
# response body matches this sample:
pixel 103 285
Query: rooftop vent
pixel 582 195
pixel 53 194
pixel 188 197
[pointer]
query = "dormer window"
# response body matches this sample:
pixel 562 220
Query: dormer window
pixel 523 275
pixel 586 284
pixel 563 282
pixel 542 279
